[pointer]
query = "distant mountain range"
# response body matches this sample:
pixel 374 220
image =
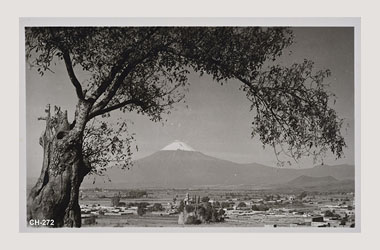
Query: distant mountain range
pixel 179 166
pixel 326 183
pixel 304 180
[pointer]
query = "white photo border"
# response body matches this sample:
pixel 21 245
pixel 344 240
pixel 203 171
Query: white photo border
pixel 354 22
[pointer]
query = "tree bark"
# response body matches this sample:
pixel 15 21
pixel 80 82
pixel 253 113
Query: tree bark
pixel 55 195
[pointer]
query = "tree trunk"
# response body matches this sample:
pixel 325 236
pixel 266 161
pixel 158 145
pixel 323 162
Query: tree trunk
pixel 55 195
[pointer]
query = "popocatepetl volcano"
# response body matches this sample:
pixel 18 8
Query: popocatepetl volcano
pixel 178 165
pixel 177 145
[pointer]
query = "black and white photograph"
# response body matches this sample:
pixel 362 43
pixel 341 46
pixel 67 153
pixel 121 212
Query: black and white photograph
pixel 190 126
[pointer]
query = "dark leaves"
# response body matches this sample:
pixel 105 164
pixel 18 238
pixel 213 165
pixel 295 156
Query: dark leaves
pixel 291 104
pixel 292 112
pixel 107 145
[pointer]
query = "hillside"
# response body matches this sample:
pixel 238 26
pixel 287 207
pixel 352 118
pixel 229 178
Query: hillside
pixel 305 180
pixel 192 169
pixel 320 184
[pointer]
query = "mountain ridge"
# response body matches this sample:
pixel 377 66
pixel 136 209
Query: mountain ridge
pixel 188 169
pixel 325 183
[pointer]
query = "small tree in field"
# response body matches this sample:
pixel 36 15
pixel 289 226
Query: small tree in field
pixel 205 199
pixel 115 200
pixel 157 207
pixel 242 204
pixel 141 209
pixel 145 69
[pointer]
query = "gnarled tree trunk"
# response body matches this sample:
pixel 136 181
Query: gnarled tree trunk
pixel 55 195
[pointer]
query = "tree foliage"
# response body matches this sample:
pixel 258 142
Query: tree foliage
pixel 242 204
pixel 107 145
pixel 158 207
pixel 145 69
pixel 205 199
pixel 115 200
pixel 181 206
pixel 292 106
pixel 260 207
pixel 141 209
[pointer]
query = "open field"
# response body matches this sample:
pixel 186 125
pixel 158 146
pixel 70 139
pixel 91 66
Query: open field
pixel 136 221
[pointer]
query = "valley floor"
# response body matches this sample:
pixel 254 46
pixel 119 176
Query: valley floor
pixel 242 208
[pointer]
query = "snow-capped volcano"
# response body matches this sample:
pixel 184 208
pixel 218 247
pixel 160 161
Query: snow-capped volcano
pixel 178 145
pixel 180 166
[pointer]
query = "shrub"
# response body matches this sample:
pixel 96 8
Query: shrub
pixel 181 206
pixel 189 208
pixel 205 199
pixel 225 204
pixel 141 210
pixel 192 220
pixel 157 207
pixel 115 201
pixel 242 204
pixel 328 213
pixel 260 207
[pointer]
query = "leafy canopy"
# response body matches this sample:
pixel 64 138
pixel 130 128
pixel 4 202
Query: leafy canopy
pixel 145 69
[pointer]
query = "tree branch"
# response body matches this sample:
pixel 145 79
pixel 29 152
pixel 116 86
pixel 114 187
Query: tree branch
pixel 112 90
pixel 73 78
pixel 111 108
pixel 118 67
pixel 117 83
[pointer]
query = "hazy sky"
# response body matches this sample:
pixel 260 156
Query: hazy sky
pixel 217 121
